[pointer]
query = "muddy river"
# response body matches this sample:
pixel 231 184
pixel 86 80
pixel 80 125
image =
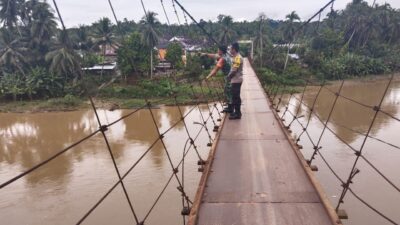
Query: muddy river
pixel 62 191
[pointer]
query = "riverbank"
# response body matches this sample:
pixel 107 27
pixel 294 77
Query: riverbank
pixel 122 96
pixel 65 105
pixel 119 98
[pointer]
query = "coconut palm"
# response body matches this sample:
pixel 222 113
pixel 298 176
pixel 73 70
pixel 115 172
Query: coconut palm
pixel 42 28
pixel 81 38
pixel 12 57
pixel 289 32
pixel 289 29
pixel 63 59
pixel 227 32
pixel 9 12
pixel 260 37
pixel 103 34
pixel 150 34
pixel 44 24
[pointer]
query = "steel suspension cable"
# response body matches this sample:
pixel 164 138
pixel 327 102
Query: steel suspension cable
pixel 391 183
pixel 359 152
pixel 39 165
pixel 131 169
pixel 103 129
pixel 195 21
pixel 165 12
pixel 326 123
pixel 176 12
pixel 346 185
pixel 192 142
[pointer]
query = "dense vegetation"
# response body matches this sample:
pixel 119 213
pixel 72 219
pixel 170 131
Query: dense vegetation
pixel 357 41
pixel 40 61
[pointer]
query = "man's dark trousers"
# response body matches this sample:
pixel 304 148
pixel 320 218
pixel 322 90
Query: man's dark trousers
pixel 236 100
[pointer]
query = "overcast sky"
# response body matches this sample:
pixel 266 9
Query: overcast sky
pixel 76 12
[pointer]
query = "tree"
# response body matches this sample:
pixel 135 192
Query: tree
pixel 42 29
pixel 260 37
pixel 103 34
pixel 133 56
pixel 63 59
pixel 9 12
pixel 227 33
pixel 12 55
pixel 289 28
pixel 289 32
pixel 193 67
pixel 150 34
pixel 174 55
pixel 81 39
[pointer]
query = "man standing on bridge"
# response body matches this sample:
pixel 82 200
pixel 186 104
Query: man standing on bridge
pixel 223 64
pixel 236 78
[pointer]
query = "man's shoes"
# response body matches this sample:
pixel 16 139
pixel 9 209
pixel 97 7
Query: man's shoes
pixel 235 116
pixel 227 110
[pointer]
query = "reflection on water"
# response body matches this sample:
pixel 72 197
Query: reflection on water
pixel 349 116
pixel 63 190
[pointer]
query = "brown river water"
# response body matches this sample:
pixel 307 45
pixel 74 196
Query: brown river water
pixel 367 184
pixel 64 190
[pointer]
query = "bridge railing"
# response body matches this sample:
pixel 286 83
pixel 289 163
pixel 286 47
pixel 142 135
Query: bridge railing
pixel 292 107
pixel 211 93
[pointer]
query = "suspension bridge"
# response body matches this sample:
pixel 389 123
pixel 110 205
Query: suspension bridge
pixel 255 172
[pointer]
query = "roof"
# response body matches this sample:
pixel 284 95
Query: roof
pixel 105 66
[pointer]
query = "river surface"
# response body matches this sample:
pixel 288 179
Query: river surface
pixel 62 191
pixel 367 184
pixel 65 189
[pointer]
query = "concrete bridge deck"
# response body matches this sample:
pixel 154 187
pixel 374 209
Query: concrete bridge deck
pixel 256 175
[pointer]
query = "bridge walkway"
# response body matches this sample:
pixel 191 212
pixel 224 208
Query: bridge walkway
pixel 256 174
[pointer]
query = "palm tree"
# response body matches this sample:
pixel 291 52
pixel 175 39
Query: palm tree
pixel 81 39
pixel 260 37
pixel 103 34
pixel 63 59
pixel 9 12
pixel 27 11
pixel 227 33
pixel 44 23
pixel 12 55
pixel 289 29
pixel 150 34
pixel 289 32
pixel 43 27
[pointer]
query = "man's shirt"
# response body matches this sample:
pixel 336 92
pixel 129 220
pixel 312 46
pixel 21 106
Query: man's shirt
pixel 237 64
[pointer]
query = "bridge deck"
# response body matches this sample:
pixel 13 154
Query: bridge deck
pixel 256 176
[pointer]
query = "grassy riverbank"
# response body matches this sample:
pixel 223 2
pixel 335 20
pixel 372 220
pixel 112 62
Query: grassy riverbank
pixel 120 96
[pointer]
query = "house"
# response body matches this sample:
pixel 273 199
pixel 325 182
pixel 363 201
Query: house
pixel 186 44
pixel 110 52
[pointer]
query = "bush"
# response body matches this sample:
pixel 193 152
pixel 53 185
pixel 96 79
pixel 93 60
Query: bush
pixel 352 65
pixel 67 101
pixel 174 55
pixel 267 76
pixel 12 85
pixel 193 69
pixel 147 89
